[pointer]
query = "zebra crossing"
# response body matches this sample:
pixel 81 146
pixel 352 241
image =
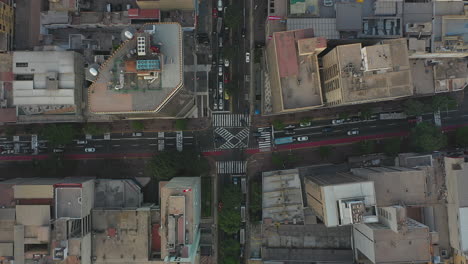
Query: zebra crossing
pixel 232 140
pixel 264 140
pixel 231 120
pixel 231 167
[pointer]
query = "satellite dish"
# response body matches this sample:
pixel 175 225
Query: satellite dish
pixel 128 34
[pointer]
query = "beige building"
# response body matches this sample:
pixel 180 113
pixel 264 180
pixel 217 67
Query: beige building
pixel 167 4
pixel 293 80
pixel 395 239
pixel 180 201
pixel 341 198
pixel 354 74
pixel 456 171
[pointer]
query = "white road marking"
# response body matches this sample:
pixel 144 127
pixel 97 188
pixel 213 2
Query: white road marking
pixel 116 145
pixel 135 145
pixel 153 144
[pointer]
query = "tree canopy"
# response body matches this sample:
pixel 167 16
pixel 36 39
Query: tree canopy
pixel 168 164
pixel 425 137
pixel 255 202
pixel 230 251
pixel 414 107
pixel 181 124
pixel 93 129
pixel 233 16
pixel 392 146
pixel 60 134
pixel 138 125
pixel 278 125
pixel 366 146
pixel 325 152
pixel 461 136
pixel 229 217
pixel 443 102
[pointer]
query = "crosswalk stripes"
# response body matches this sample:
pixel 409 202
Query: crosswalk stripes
pixel 231 167
pixel 231 120
pixel 224 133
pixel 264 140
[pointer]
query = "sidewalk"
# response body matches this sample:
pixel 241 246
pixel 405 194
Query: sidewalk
pixel 158 125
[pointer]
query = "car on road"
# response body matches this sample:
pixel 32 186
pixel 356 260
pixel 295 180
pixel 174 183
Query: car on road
pixel 220 5
pixel 220 70
pixel 328 3
pixel 215 13
pixel 235 180
pixel 303 138
pixel 221 104
pixel 290 127
pixel 81 142
pixel 226 77
pixel 243 32
pixel 305 124
pixel 57 150
pixel 220 42
pixel 289 132
pixel 327 129
pixel 8 151
pixel 337 121
pixel 247 57
pixel 137 134
pixel 353 132
pixel 226 63
pixel 220 88
pixel 355 119
pixel 215 106
pixel 90 150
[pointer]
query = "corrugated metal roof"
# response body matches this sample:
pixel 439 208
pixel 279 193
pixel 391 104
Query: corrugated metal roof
pixel 323 27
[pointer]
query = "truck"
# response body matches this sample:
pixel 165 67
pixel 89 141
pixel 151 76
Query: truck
pixel 394 115
pixel 283 140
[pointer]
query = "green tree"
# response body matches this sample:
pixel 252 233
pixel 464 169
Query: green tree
pixel 138 125
pixel 181 124
pixel 230 260
pixel 61 134
pixel 168 164
pixel 230 248
pixel 233 16
pixel 10 131
pixel 366 113
pixel 325 152
pixel 305 120
pixel 392 146
pixel 229 52
pixel 93 129
pixel 425 137
pixel 413 107
pixel 443 102
pixel 461 136
pixel 255 202
pixel 366 147
pixel 278 125
pixel 229 217
pixel 344 115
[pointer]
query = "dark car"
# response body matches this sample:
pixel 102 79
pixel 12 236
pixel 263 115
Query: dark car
pixel 256 134
pixel 327 129
pixel 243 32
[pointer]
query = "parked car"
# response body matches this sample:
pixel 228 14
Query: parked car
pixel 303 138
pixel 226 77
pixel 220 88
pixel 215 106
pixel 355 119
pixel 328 2
pixel 221 104
pixel 137 134
pixel 353 132
pixel 220 42
pixel 215 13
pixel 289 132
pixel 226 63
pixel 247 57
pixel 290 127
pixel 220 70
pixel 81 142
pixel 57 150
pixel 220 5
pixel 305 124
pixel 337 121
pixel 90 150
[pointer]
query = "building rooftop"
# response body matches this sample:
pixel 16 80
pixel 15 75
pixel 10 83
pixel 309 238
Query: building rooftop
pixel 323 27
pixel 119 89
pixel 282 197
pixel 119 193
pixel 348 16
pixel 304 8
pixel 294 78
pixel 374 73
pixel 120 235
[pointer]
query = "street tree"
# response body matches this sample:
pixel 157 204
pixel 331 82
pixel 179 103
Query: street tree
pixel 181 124
pixel 61 134
pixel 392 146
pixel 413 107
pixel 255 205
pixel 443 102
pixel 366 147
pixel 426 137
pixel 229 217
pixel 461 136
pixel 278 125
pixel 230 248
pixel 138 125
pixel 229 52
pixel 168 164
pixel 325 152
pixel 233 16
pixel 366 113
pixel 94 130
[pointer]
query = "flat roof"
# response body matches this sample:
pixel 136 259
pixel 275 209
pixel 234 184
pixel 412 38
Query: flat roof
pixel 111 193
pixel 323 27
pixel 33 215
pixel 68 202
pixel 282 197
pixel 120 235
pixel 348 16
pixel 139 95
pixel 360 86
pixel 295 83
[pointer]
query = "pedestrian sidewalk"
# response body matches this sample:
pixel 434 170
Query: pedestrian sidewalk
pixel 158 125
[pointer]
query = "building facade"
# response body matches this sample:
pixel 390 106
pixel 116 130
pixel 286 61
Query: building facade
pixel 6 25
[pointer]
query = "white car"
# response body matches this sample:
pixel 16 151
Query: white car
pixel 90 150
pixel 220 70
pixel 220 5
pixel 221 104
pixel 226 63
pixel 215 106
pixel 337 121
pixel 353 132
pixel 328 2
pixel 303 138
pixel 305 124
pixel 220 87
pixel 137 134
pixel 247 57
pixel 81 142
pixel 57 150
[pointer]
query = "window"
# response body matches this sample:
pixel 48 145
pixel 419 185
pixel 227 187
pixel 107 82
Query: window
pixel 21 64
